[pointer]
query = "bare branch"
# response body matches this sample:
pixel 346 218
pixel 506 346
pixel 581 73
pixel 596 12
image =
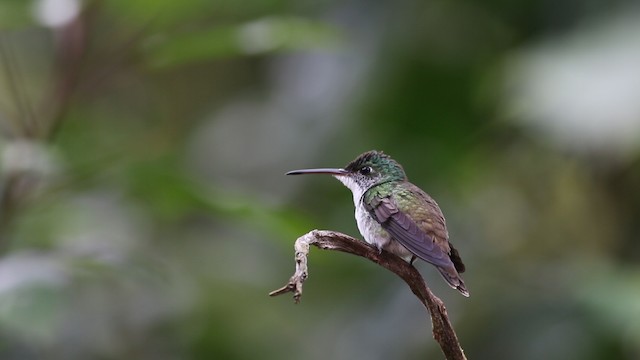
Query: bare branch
pixel 443 332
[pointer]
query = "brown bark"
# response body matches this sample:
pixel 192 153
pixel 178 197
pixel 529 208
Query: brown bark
pixel 443 332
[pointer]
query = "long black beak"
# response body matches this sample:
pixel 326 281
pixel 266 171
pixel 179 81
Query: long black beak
pixel 319 171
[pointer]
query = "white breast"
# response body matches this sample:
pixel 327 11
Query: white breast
pixel 371 230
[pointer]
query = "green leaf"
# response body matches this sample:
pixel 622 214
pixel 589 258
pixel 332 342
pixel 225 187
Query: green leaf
pixel 171 195
pixel 256 37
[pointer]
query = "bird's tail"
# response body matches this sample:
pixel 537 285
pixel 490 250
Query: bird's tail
pixel 450 274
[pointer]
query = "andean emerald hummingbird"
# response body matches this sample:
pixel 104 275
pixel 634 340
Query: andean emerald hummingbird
pixel 397 216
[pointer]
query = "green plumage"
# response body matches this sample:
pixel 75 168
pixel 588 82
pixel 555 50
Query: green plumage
pixel 397 216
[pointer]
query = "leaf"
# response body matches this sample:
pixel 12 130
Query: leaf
pixel 171 195
pixel 256 37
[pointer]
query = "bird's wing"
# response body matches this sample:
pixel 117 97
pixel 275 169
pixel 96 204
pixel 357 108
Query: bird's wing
pixel 385 211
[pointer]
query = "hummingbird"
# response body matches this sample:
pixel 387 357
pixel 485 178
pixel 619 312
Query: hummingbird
pixel 396 215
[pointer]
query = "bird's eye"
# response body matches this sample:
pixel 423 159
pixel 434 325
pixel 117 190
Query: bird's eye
pixel 366 170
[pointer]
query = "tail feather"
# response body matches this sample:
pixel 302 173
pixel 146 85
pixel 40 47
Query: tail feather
pixel 455 258
pixel 454 279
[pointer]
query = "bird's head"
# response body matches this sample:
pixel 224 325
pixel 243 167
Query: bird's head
pixel 367 170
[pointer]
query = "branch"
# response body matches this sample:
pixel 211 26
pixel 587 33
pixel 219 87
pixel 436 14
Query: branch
pixel 443 332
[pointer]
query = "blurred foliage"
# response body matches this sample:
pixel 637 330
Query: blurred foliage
pixel 261 36
pixel 14 13
pixel 143 207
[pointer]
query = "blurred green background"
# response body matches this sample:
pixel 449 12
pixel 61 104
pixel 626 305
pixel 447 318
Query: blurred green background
pixel 144 213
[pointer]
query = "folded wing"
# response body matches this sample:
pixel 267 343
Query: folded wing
pixel 406 231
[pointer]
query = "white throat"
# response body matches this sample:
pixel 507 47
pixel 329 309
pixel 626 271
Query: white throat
pixel 356 190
